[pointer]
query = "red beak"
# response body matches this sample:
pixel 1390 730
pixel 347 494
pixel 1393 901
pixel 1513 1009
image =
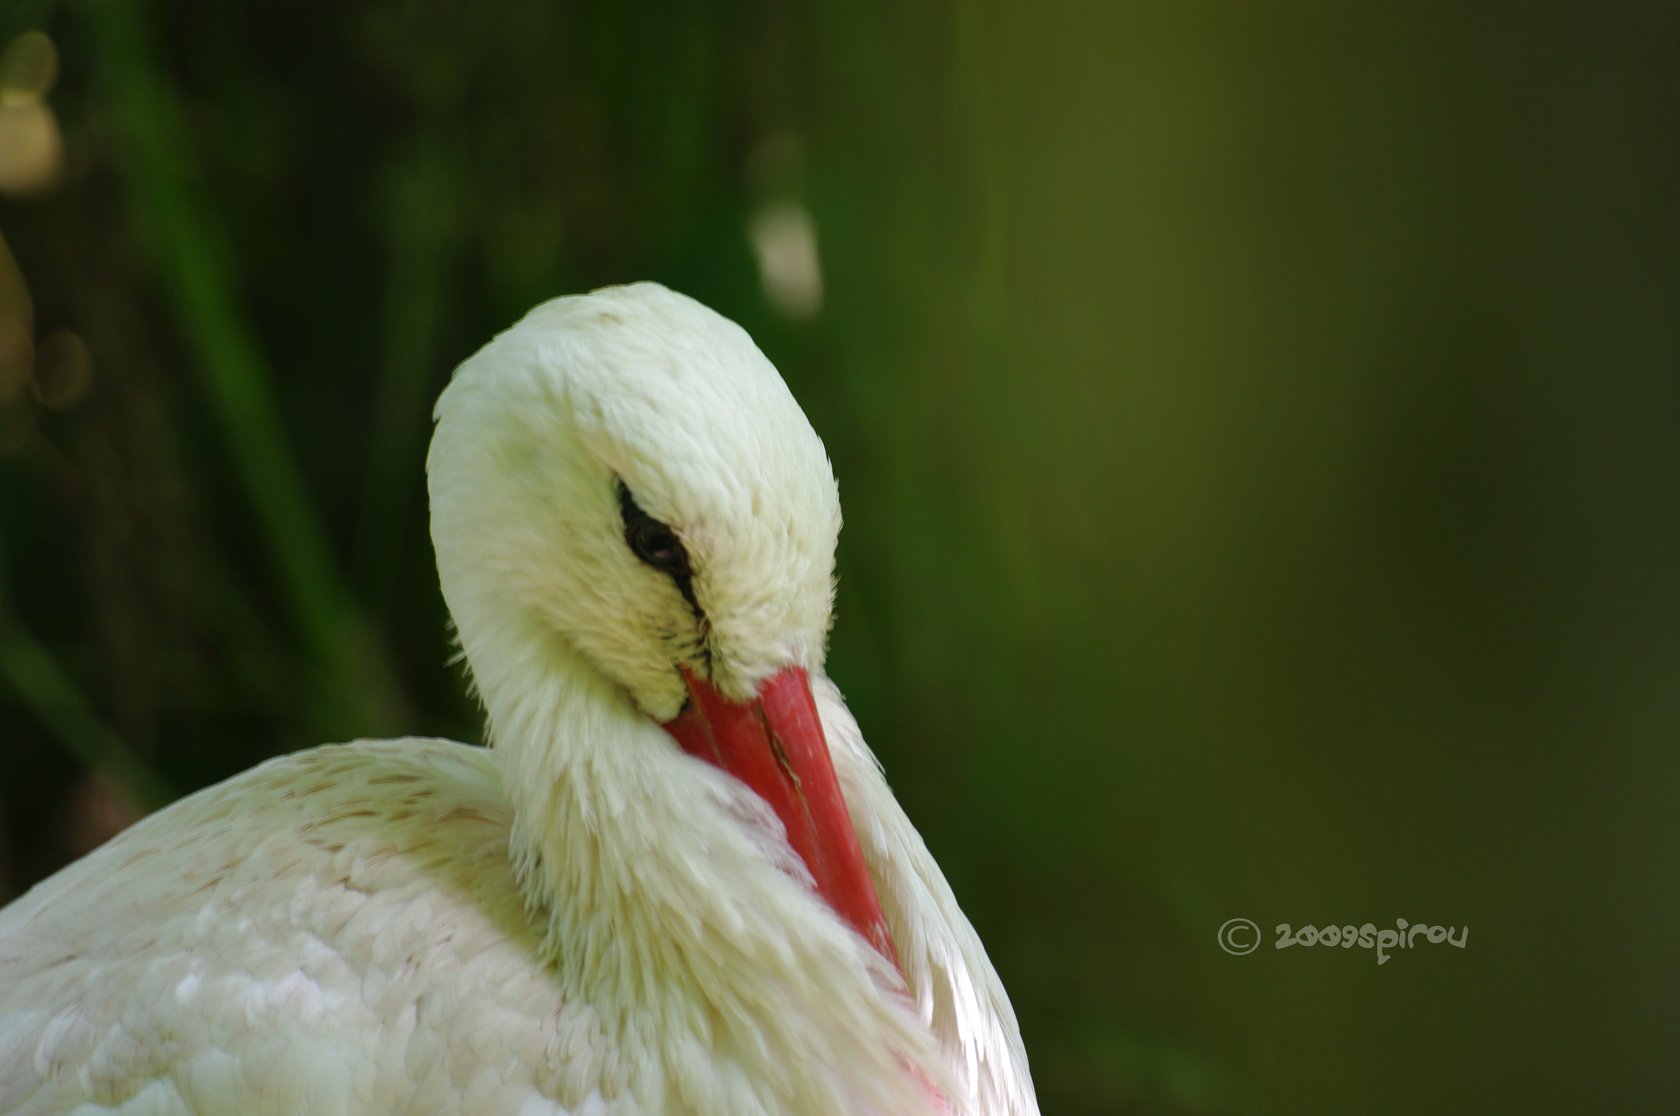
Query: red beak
pixel 774 744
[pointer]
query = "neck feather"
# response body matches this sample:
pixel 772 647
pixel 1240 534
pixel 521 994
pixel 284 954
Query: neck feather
pixel 672 903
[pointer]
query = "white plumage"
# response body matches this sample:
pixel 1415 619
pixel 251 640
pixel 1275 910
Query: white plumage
pixel 588 919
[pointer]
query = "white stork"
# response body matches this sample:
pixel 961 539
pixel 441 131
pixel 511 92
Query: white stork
pixel 679 882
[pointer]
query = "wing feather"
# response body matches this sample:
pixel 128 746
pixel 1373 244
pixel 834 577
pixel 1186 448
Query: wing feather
pixel 333 931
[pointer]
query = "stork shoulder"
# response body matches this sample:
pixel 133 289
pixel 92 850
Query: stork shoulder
pixel 333 930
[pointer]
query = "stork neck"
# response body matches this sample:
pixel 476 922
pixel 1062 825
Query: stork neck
pixel 575 756
pixel 637 858
pixel 672 906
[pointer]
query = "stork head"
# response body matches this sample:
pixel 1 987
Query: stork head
pixel 626 473
pixel 626 468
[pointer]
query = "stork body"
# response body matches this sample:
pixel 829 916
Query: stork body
pixel 637 901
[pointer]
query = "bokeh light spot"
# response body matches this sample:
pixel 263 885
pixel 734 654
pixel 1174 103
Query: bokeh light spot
pixel 31 148
pixel 28 69
pixel 784 240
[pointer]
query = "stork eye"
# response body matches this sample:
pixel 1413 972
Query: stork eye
pixel 654 543
pixel 650 540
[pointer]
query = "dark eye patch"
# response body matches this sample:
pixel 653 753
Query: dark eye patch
pixel 653 542
pixel 656 545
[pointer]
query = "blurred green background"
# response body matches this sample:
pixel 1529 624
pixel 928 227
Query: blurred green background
pixel 1257 427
